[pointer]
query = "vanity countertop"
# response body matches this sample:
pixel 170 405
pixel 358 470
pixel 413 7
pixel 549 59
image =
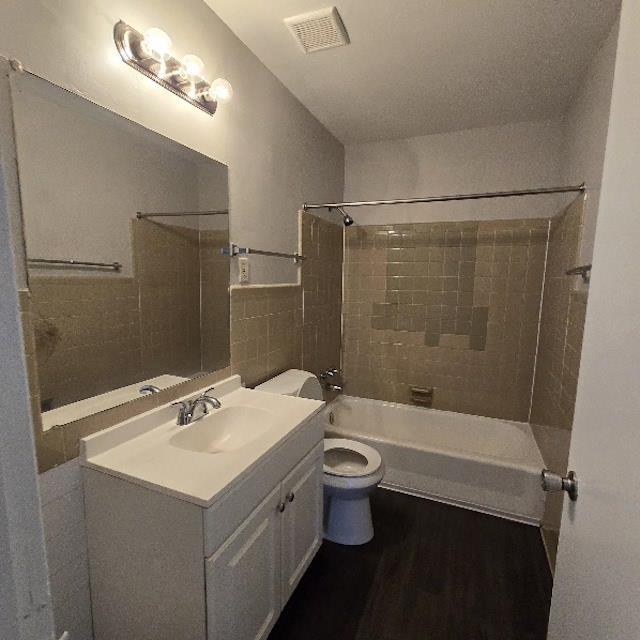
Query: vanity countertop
pixel 149 449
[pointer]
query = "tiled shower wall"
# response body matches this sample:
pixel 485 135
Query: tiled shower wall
pixel 453 306
pixel 322 287
pixel 561 325
pixel 561 328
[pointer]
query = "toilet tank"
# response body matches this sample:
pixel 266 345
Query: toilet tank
pixel 294 382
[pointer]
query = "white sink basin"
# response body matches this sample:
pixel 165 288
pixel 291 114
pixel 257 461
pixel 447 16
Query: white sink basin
pixel 197 463
pixel 224 430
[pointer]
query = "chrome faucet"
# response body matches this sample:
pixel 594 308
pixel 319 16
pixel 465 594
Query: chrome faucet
pixel 187 408
pixel 328 379
pixel 148 389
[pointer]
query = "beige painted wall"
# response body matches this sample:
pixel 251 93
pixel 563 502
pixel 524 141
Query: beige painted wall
pixel 278 154
pixel 513 156
pixel 568 150
pixel 585 128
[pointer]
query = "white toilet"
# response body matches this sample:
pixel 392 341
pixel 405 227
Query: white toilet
pixel 352 470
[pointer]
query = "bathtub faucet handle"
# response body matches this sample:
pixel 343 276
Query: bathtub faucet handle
pixel 329 373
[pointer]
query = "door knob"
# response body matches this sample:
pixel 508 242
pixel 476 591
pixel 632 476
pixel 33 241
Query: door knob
pixel 291 496
pixel 282 506
pixel 555 482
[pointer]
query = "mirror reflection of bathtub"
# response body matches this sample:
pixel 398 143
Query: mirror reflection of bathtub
pixel 486 464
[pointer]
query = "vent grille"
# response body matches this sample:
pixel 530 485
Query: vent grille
pixel 318 30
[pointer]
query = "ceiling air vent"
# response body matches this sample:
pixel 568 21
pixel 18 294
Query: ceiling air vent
pixel 318 30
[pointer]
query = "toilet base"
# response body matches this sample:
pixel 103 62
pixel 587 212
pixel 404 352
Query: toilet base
pixel 347 521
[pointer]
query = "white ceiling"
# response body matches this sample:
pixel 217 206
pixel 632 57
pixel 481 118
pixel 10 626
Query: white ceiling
pixel 416 67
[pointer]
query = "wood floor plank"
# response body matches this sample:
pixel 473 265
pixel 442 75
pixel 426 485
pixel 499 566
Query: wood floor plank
pixel 432 572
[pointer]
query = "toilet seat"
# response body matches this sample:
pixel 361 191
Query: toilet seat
pixel 349 458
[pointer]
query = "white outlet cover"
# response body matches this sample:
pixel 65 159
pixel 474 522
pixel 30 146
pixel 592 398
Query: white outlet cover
pixel 243 270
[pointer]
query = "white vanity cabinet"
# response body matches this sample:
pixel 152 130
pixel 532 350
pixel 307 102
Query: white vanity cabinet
pixel 164 568
pixel 301 498
pixel 244 590
pixel 250 578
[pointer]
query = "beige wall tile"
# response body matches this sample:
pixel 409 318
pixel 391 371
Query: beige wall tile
pixel 450 313
pixel 558 362
pixel 322 286
pixel 266 331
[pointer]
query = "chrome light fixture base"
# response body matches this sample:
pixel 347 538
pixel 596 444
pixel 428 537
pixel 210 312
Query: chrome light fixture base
pixel 129 43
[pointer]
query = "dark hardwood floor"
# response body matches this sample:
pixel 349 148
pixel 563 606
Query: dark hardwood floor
pixel 432 572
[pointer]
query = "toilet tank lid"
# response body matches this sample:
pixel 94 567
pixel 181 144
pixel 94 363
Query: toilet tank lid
pixel 287 383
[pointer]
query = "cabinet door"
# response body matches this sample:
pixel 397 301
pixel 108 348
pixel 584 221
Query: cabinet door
pixel 302 519
pixel 243 577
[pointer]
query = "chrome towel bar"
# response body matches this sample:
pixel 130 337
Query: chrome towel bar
pixel 177 214
pixel 115 266
pixel 234 250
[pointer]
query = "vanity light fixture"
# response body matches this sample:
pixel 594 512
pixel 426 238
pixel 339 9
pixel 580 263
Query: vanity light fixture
pixel 150 54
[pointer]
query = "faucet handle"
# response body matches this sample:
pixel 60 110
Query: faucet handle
pixel 148 389
pixel 215 403
pixel 183 412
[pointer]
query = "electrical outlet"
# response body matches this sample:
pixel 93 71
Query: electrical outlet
pixel 243 270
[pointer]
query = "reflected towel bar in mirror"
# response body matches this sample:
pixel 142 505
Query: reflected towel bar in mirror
pixel 234 250
pixel 115 266
pixel 160 214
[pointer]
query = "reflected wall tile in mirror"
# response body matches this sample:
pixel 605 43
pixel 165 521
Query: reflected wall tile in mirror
pixel 167 265
pixel 86 334
pixel 214 276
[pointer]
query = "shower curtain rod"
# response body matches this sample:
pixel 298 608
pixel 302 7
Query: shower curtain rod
pixel 173 214
pixel 465 196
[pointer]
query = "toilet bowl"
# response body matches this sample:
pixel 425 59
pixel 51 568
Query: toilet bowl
pixel 352 470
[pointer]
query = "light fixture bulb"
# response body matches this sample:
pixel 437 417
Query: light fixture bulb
pixel 157 43
pixel 220 91
pixel 192 65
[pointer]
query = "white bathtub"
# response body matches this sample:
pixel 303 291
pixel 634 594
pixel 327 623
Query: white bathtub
pixel 484 464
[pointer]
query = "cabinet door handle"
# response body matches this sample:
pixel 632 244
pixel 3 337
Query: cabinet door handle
pixel 291 496
pixel 282 506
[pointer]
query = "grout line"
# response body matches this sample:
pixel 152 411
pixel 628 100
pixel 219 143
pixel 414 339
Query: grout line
pixel 273 285
pixel 302 293
pixel 535 360
pixel 342 302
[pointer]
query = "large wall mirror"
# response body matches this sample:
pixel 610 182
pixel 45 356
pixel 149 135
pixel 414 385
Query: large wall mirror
pixel 150 306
